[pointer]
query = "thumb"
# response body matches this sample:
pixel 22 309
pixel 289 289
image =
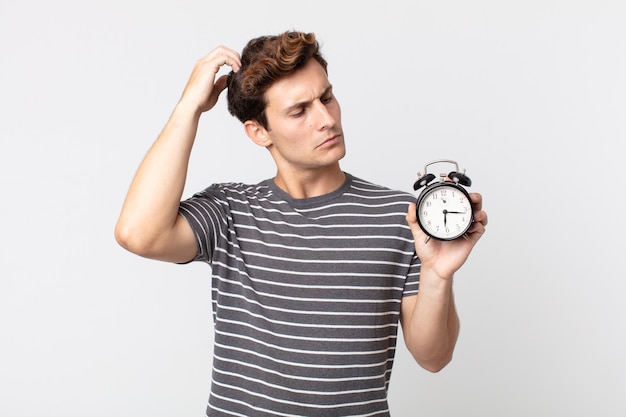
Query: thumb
pixel 221 84
pixel 411 219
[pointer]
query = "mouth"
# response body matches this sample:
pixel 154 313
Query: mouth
pixel 330 141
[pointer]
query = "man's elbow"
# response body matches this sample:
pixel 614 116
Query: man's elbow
pixel 435 365
pixel 132 240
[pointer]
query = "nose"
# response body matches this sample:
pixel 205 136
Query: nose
pixel 323 118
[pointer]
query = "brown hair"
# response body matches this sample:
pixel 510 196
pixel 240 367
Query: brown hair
pixel 265 60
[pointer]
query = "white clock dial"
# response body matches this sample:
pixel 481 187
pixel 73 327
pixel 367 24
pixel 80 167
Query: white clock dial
pixel 444 212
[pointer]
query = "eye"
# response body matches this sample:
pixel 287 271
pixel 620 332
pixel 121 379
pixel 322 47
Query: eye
pixel 327 98
pixel 298 112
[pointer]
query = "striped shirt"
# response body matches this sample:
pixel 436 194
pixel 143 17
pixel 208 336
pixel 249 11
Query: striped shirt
pixel 306 296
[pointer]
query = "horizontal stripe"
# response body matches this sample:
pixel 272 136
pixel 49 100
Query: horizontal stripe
pixel 306 296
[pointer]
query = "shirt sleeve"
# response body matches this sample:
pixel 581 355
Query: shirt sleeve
pixel 411 284
pixel 206 213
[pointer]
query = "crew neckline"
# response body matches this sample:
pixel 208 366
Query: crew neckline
pixel 309 201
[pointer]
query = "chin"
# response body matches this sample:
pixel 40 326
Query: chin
pixel 338 156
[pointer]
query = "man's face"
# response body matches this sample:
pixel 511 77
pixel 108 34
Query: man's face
pixel 304 120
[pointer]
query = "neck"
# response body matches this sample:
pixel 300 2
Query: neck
pixel 310 183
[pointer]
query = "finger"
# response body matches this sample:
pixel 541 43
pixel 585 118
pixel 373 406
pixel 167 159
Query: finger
pixel 479 223
pixel 202 87
pixel 481 217
pixel 411 219
pixel 221 84
pixel 477 201
pixel 476 230
pixel 223 55
pixel 411 214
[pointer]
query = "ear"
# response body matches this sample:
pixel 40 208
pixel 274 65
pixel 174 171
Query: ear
pixel 257 133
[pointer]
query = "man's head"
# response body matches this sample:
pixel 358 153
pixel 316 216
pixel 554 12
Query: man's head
pixel 283 97
pixel 265 60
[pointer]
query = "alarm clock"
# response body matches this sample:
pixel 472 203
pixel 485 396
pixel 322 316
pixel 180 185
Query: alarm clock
pixel 444 209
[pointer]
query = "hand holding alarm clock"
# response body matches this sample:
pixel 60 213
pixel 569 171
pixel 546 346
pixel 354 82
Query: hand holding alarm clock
pixel 444 208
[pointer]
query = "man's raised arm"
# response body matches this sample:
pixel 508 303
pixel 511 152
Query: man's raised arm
pixel 149 224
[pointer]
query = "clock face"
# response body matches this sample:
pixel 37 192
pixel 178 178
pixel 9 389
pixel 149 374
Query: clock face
pixel 444 211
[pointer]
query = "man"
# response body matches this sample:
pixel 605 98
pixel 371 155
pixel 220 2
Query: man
pixel 311 270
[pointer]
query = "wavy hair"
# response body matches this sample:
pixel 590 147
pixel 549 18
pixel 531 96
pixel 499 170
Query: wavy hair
pixel 265 60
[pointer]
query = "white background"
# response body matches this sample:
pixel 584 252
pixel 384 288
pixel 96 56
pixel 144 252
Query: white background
pixel 528 96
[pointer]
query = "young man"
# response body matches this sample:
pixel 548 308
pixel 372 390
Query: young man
pixel 311 270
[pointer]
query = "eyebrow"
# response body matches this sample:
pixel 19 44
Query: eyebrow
pixel 304 103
